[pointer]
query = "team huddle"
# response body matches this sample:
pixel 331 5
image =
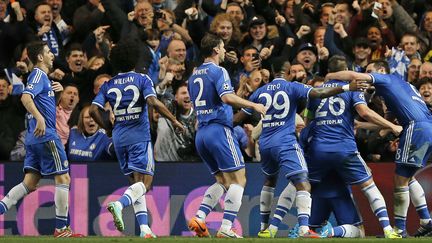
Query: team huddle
pixel 325 150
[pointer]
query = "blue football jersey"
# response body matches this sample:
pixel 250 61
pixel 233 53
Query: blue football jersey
pixel 91 148
pixel 39 87
pixel 127 94
pixel 334 120
pixel 207 85
pixel 280 97
pixel 401 98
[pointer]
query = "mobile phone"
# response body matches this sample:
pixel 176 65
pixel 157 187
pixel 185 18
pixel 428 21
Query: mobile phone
pixel 376 6
pixel 158 14
pixel 255 56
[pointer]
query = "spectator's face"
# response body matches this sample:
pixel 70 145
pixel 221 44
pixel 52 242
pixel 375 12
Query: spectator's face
pixel 43 15
pixel 342 15
pixel 76 61
pixel 224 30
pixel 177 70
pixel 56 6
pixel 255 80
pixel 258 32
pixel 414 70
pixel 3 6
pixel 289 12
pixel 426 92
pixel 90 126
pixel 410 45
pixel 426 70
pixel 325 14
pixel 265 74
pixel 183 99
pixel 307 58
pixel 98 84
pixel 319 37
pixel 177 50
pixel 235 12
pixel 154 44
pixel 386 8
pixel 3 89
pixel 297 70
pixel 144 13
pixel 247 55
pixel 362 52
pixel 69 98
pixel 374 37
pixel 427 24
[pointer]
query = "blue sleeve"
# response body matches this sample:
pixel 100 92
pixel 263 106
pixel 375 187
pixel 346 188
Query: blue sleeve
pixel 223 82
pixel 329 42
pixel 100 98
pixel 252 98
pixel 147 87
pixel 358 98
pixel 35 83
pixel 301 91
pixel 380 79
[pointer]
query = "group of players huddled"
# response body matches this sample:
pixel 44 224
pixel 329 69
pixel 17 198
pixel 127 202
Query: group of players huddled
pixel 324 151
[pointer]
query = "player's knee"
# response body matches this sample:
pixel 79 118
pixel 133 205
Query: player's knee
pixel 301 182
pixel 31 187
pixel 62 179
pixel 367 183
pixel 270 181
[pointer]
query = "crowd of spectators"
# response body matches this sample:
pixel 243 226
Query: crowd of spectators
pixel 299 35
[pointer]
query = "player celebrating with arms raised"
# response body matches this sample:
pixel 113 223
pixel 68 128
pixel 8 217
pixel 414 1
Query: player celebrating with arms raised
pixel 415 146
pixel 129 93
pixel 212 95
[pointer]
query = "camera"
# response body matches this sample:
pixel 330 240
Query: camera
pixel 158 14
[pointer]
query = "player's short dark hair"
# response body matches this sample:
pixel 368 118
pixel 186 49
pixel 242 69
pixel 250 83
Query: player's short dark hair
pixel 34 49
pixel 208 43
pixel 337 63
pixel 124 55
pixel 380 64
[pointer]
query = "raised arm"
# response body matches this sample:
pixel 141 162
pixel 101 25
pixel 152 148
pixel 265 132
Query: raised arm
pixel 330 91
pixel 234 100
pixel 102 117
pixel 348 76
pixel 371 116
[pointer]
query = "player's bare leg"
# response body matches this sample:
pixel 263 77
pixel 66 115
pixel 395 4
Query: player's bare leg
pixel 29 184
pixel 303 203
pixel 401 202
pixel 418 199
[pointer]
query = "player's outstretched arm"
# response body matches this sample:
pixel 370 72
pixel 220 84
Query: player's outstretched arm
pixel 371 116
pixel 29 104
pixel 233 100
pixel 102 118
pixel 161 108
pixel 348 76
pixel 330 91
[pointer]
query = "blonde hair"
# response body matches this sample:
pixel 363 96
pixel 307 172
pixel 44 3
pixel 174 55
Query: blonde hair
pixel 236 34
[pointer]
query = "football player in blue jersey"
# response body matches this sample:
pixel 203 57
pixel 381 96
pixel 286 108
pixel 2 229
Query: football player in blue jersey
pixel 87 142
pixel 45 154
pixel 212 96
pixel 406 105
pixel 278 143
pixel 333 145
pixel 129 93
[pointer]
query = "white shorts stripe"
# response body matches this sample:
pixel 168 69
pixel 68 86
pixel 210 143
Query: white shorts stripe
pixel 232 147
pixel 407 144
pixel 56 157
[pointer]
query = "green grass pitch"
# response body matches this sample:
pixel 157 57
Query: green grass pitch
pixel 98 239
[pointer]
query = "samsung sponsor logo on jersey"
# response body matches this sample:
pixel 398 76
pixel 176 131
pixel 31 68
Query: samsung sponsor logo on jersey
pixel 82 153
pixel 274 124
pixel 200 71
pixel 128 79
pixel 329 122
pixel 204 112
pixel 128 117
